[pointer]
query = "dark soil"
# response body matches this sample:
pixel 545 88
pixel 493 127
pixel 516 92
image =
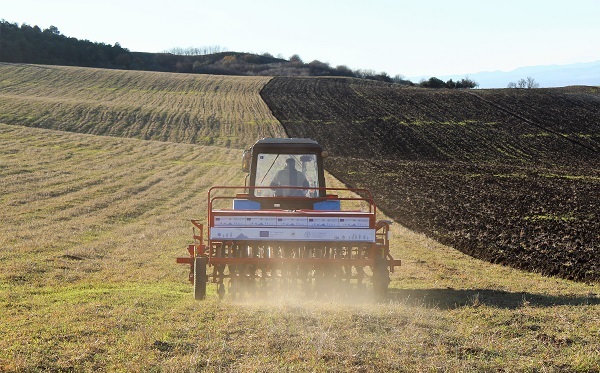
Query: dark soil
pixel 508 176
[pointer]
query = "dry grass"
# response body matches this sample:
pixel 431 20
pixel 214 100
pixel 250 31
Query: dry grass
pixel 201 109
pixel 90 229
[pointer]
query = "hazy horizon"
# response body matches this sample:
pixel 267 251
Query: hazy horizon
pixel 410 38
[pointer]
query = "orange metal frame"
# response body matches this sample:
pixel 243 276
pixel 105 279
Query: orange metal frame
pixel 200 249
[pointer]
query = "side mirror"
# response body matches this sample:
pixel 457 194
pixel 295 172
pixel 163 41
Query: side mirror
pixel 246 159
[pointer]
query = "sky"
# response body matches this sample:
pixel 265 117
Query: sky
pixel 402 37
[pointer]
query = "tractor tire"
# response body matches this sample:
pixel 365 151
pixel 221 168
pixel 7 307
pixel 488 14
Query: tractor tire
pixel 200 277
pixel 381 279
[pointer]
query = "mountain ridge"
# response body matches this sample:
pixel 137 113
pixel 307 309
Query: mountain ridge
pixel 547 76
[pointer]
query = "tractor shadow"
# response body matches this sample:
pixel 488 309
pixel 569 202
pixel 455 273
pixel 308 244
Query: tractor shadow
pixel 456 298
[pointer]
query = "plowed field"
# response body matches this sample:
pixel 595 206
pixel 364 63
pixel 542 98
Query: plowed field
pixel 509 176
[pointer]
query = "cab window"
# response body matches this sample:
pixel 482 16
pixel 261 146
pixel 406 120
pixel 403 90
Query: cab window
pixel 274 171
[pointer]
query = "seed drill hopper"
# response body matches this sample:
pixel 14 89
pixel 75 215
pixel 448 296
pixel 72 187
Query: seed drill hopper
pixel 285 229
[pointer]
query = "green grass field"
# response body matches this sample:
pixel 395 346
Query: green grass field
pixel 91 226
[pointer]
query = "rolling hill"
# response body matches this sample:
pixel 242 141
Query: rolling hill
pixel 205 109
pixel 509 176
pixel 91 225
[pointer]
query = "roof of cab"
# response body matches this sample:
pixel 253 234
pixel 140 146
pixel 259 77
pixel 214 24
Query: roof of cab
pixel 289 143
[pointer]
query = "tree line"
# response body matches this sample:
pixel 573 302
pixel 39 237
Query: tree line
pixel 30 44
pixel 434 82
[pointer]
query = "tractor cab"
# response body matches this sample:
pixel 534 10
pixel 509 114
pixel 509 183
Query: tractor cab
pixel 285 173
pixel 285 227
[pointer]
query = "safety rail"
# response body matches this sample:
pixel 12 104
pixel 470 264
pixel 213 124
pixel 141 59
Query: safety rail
pixel 366 195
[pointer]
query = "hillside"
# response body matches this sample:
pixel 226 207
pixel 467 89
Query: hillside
pixel 91 226
pixel 405 123
pixel 509 176
pixel 200 109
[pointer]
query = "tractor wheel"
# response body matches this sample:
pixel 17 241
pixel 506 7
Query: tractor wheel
pixel 380 279
pixel 200 277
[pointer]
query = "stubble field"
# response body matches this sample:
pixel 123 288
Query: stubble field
pixel 208 109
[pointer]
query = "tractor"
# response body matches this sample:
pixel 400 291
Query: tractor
pixel 286 229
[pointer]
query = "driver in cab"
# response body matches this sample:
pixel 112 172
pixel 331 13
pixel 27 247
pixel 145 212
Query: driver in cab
pixel 289 176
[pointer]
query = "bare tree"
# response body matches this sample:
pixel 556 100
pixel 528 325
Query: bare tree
pixel 524 83
pixel 531 83
pixel 197 51
pixel 296 60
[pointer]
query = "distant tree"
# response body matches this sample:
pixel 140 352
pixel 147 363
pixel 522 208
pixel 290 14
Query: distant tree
pixel 467 83
pixel 529 82
pixel 343 70
pixel 382 77
pixel 184 66
pixel 373 75
pixel 53 30
pixel 295 59
pixel 319 68
pixel 197 66
pixel 196 51
pixel 432 82
pixel 228 60
pixel 253 58
pixel 400 79
pixel 365 73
